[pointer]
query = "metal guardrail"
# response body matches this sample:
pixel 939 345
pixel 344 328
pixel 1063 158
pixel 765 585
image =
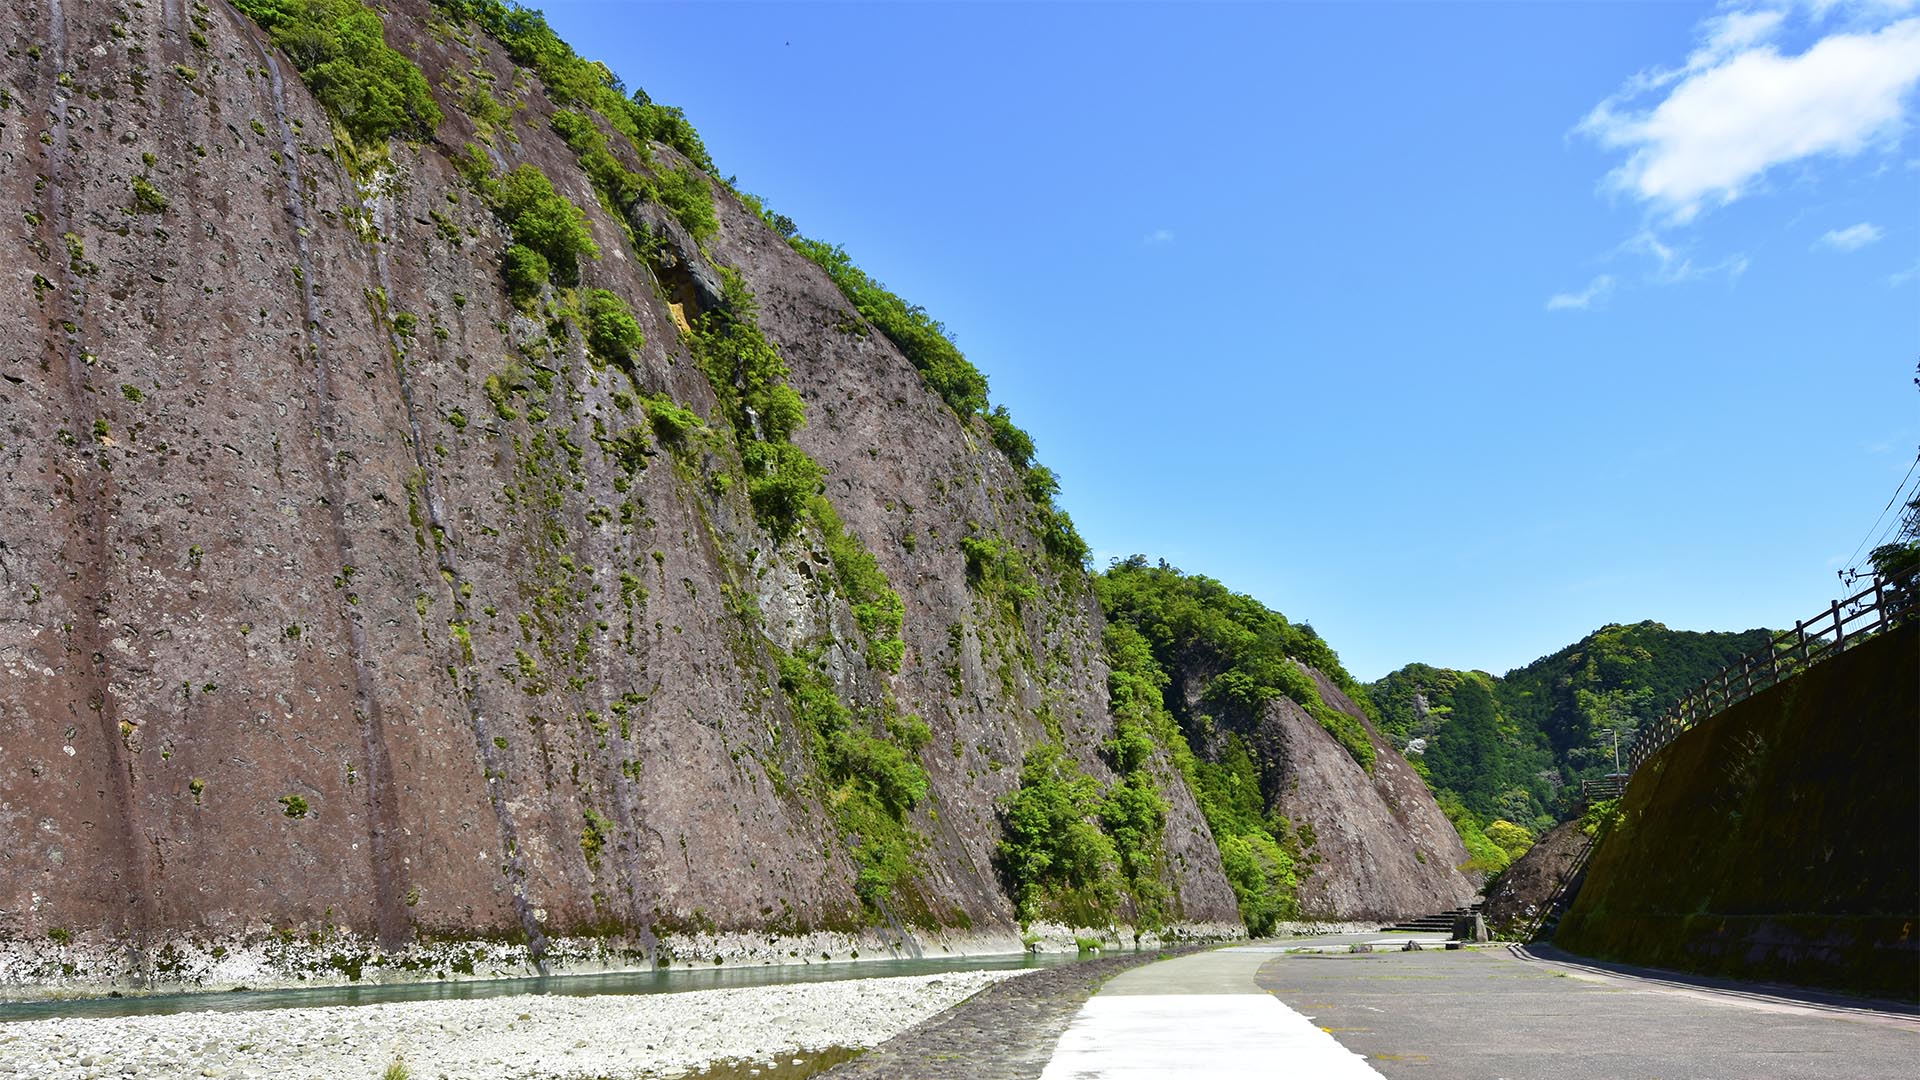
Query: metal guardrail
pixel 1880 606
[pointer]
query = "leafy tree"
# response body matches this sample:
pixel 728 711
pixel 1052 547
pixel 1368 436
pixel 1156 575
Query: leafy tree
pixel 1057 860
pixel 1263 878
pixel 1898 563
pixel 1510 838
pixel 1466 757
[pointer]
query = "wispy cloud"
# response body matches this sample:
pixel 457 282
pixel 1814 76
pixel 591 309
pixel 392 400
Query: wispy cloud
pixel 1851 238
pixel 1704 133
pixel 1901 277
pixel 1596 291
pixel 1160 236
pixel 1673 265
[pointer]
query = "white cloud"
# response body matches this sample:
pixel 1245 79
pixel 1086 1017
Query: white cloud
pixel 1851 238
pixel 1160 236
pixel 1738 107
pixel 1732 33
pixel 1895 280
pixel 1596 291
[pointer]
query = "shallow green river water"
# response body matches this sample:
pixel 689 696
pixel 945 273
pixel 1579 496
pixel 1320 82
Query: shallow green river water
pixel 669 981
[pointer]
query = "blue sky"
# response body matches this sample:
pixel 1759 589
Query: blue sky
pixel 1457 330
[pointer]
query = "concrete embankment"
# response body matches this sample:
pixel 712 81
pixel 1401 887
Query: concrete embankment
pixel 1776 841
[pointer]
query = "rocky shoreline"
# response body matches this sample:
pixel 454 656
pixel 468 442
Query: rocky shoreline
pixel 531 1037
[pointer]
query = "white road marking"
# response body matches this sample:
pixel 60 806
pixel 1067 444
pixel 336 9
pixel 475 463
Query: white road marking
pixel 1217 1036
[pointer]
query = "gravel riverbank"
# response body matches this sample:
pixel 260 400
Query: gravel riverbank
pixel 514 1038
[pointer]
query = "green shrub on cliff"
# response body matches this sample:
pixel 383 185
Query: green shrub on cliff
pixel 1263 879
pixel 873 777
pixel 526 271
pixel 916 333
pixel 877 609
pixel 338 48
pixel 1058 862
pixel 545 221
pixel 1600 818
pixel 613 335
pixel 573 80
pixel 1076 853
pixel 683 191
pixel 1158 618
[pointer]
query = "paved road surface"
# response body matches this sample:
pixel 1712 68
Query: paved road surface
pixel 1484 1014
pixel 1198 1016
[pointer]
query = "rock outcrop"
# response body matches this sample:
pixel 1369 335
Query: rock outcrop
pixel 1384 849
pixel 1517 899
pixel 1377 845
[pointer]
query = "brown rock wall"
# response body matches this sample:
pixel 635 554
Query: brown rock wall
pixel 263 540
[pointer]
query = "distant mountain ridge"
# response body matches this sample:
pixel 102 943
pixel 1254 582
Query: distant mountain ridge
pixel 1514 748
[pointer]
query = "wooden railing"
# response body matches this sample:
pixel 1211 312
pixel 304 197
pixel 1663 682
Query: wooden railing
pixel 1610 786
pixel 1845 623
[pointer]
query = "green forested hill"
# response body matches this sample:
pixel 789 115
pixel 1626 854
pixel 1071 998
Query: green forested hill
pixel 1507 748
pixel 1312 815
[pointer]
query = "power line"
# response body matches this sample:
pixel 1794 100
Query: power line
pixel 1898 520
pixel 1897 492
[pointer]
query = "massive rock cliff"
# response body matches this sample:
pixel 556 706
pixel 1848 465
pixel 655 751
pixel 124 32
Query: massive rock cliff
pixel 346 601
pixel 374 595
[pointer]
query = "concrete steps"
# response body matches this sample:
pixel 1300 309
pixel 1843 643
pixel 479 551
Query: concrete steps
pixel 1440 922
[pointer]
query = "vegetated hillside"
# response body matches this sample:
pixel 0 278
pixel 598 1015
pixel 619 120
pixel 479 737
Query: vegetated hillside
pixel 1776 840
pixel 445 527
pixel 1506 754
pixel 1316 813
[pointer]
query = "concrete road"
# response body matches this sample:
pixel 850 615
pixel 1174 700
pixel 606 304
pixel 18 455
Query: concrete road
pixel 1197 1016
pixel 1485 1014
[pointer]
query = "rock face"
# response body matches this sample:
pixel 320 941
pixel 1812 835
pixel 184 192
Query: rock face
pixel 330 613
pixel 1386 851
pixel 1379 846
pixel 1516 899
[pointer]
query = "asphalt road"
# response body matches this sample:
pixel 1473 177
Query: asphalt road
pixel 1486 1014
